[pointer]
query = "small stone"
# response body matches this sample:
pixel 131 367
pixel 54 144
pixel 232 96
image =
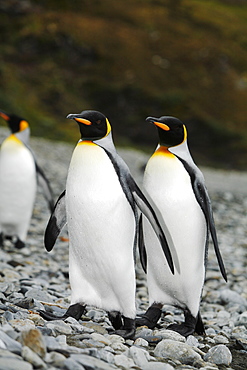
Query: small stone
pixel 11 363
pixel 95 327
pixel 139 356
pixel 140 342
pixel 242 319
pixel 90 362
pixel 157 366
pixel 9 343
pixel 220 339
pixel 219 355
pixel 176 350
pixel 59 327
pixel 70 364
pixel 100 338
pixel 55 359
pixel 124 361
pixel 34 340
pixel 192 341
pixel 22 325
pixel 169 334
pixel 32 357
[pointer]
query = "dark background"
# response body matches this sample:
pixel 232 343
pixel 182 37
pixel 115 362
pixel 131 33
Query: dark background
pixel 130 59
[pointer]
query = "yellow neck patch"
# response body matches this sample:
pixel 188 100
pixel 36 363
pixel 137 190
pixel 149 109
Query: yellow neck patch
pixel 163 150
pixel 86 142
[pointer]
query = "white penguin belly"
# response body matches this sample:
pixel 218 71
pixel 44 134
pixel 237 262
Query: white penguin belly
pixel 169 185
pixel 17 187
pixel 101 228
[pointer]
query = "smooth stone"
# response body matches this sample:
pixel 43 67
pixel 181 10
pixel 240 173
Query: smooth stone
pixel 140 342
pixel 10 363
pixel 219 355
pixel 34 340
pixel 230 296
pixel 22 325
pixel 59 326
pixel 242 319
pixel 9 343
pixel 92 363
pixel 139 356
pixel 32 357
pixel 56 359
pixel 124 362
pixel 169 334
pixel 177 350
pixel 70 364
pixel 157 366
pixel 221 339
pixel 94 326
pixel 40 295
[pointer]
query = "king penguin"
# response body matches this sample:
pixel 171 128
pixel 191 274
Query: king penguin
pixel 177 188
pixel 18 183
pixel 100 207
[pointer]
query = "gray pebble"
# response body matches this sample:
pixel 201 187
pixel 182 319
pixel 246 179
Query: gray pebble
pixel 219 355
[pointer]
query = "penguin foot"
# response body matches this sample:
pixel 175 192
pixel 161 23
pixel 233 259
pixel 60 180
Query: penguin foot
pixel 116 319
pixel 19 244
pixel 76 311
pixel 128 329
pixel 182 329
pixel 149 318
pixel 189 326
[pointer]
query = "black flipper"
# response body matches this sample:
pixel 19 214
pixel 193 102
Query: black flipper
pixel 44 183
pixel 56 223
pixel 203 199
pixel 141 246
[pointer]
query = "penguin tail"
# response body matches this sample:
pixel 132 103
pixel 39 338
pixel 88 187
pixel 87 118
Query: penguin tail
pixel 199 329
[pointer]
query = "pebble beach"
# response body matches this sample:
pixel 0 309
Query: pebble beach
pixel 32 279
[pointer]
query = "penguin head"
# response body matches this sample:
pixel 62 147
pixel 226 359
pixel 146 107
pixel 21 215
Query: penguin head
pixel 93 124
pixel 16 123
pixel 172 131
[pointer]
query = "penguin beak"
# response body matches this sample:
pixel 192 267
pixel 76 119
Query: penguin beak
pixel 4 116
pixel 79 120
pixel 156 122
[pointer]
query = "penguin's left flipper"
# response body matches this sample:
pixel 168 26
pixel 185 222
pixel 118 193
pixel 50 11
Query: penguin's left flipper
pixel 56 223
pixel 141 246
pixel 44 183
pixel 203 199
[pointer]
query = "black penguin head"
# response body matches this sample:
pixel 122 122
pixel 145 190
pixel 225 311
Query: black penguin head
pixel 16 123
pixel 93 125
pixel 172 131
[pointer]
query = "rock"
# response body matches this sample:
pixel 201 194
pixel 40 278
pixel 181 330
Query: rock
pixel 169 334
pixel 40 295
pixel 192 341
pixel 157 366
pixel 55 359
pixel 34 340
pixel 9 343
pixel 70 364
pixel 8 362
pixel 219 355
pixel 242 319
pixel 140 342
pixel 91 363
pixel 59 326
pixel 230 296
pixel 170 349
pixel 32 357
pixel 124 361
pixel 139 356
pixel 220 339
pixel 22 325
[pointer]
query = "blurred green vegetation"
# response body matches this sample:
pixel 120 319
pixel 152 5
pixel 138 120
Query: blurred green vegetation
pixel 130 59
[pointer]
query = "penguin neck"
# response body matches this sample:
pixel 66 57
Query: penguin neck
pixel 106 142
pixel 23 135
pixel 164 151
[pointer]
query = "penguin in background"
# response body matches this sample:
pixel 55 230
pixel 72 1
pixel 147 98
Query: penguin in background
pixel 100 206
pixel 177 188
pixel 19 173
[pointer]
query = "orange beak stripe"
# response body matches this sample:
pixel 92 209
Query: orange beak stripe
pixel 84 121
pixel 4 116
pixel 162 125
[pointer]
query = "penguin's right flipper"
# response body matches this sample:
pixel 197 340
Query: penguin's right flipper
pixel 56 223
pixel 141 246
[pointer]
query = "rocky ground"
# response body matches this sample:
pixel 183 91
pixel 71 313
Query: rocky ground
pixel 32 279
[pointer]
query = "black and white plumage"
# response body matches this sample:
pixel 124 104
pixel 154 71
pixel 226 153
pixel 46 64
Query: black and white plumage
pixel 177 188
pixel 19 172
pixel 100 206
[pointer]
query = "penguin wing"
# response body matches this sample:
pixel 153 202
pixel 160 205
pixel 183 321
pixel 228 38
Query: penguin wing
pixel 136 198
pixel 56 222
pixel 203 199
pixel 44 183
pixel 141 246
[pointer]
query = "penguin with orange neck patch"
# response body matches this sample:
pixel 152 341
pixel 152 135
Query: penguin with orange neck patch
pixel 18 182
pixel 100 207
pixel 176 187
